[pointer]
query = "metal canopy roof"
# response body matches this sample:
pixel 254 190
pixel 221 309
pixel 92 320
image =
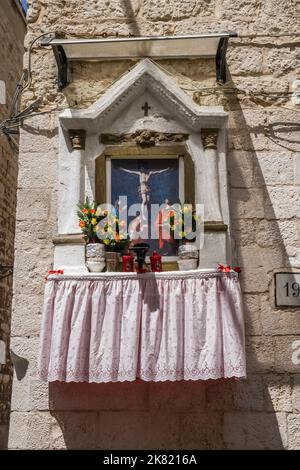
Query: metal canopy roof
pixel 159 47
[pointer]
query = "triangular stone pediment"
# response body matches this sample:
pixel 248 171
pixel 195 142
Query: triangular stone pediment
pixel 144 78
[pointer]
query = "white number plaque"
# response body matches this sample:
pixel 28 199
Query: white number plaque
pixel 287 289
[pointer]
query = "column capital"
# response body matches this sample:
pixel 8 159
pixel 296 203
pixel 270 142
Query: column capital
pixel 77 138
pixel 209 138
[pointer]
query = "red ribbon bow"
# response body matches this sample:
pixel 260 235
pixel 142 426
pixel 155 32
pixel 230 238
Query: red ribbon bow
pixel 53 271
pixel 226 269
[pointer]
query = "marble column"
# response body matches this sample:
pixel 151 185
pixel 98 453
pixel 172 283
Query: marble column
pixel 73 179
pixel 69 252
pixel 212 205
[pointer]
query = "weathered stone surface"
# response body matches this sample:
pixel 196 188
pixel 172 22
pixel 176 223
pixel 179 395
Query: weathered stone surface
pixel 38 395
pixel 37 136
pixel 243 231
pixel 24 352
pixel 280 233
pixel 293 422
pixel 18 430
pixel 278 392
pixel 274 168
pixel 237 394
pixel 297 169
pixel 253 256
pixel 277 321
pixel 252 314
pixel 247 203
pixel 21 392
pixel 56 437
pixel 12 31
pixel 73 430
pixel 283 203
pixel 243 61
pixel 251 430
pixel 138 430
pixel 201 431
pixel 33 205
pixel 254 280
pixel 103 9
pixel 260 354
pixel 240 168
pixel 27 312
pixel 280 61
pixel 178 9
pixel 110 396
pixel 248 394
pixel 177 396
pixel 38 432
pixel 220 394
pixel 296 393
pixel 39 172
pixel 244 10
pixel 284 354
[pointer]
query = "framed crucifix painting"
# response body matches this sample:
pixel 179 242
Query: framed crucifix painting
pixel 144 184
pixel 147 177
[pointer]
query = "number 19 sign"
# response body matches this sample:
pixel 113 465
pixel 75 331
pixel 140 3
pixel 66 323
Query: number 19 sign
pixel 287 289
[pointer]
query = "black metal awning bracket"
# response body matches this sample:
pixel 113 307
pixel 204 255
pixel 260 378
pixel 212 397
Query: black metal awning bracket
pixel 221 65
pixel 62 66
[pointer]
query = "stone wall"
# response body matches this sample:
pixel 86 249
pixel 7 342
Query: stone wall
pixel 263 158
pixel 12 32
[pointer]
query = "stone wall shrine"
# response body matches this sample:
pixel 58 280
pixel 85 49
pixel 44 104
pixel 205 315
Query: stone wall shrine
pixel 131 329
pixel 173 325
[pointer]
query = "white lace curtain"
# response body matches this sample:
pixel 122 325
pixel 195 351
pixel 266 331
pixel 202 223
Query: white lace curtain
pixel 168 326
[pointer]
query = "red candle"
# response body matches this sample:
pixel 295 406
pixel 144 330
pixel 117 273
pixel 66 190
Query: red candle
pixel 127 263
pixel 155 261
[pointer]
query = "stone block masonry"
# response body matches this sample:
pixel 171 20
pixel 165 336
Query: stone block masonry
pixel 12 32
pixel 262 412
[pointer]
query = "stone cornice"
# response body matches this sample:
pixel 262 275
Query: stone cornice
pixel 143 138
pixel 69 239
pixel 215 226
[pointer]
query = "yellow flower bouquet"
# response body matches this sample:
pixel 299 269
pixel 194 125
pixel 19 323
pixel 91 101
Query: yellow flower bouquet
pixel 88 220
pixel 111 231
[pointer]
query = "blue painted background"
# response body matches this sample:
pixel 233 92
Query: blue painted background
pixel 162 186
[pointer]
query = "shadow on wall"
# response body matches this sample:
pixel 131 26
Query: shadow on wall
pixel 170 415
pixel 260 251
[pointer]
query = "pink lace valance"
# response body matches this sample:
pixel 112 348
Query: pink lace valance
pixel 166 326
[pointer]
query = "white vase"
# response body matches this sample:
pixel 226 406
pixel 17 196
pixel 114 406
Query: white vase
pixel 95 257
pixel 188 251
pixel 95 266
pixel 187 264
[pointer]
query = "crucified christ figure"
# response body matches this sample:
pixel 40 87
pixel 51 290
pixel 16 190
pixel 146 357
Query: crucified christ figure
pixel 137 225
pixel 144 177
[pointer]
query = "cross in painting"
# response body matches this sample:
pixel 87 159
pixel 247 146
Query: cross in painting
pixel 146 108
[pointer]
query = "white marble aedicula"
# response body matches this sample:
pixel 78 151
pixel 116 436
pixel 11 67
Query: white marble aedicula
pixel 118 111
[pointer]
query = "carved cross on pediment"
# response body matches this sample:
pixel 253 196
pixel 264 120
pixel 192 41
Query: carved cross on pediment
pixel 146 108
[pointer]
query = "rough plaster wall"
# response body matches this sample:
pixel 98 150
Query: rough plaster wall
pixel 263 157
pixel 12 32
